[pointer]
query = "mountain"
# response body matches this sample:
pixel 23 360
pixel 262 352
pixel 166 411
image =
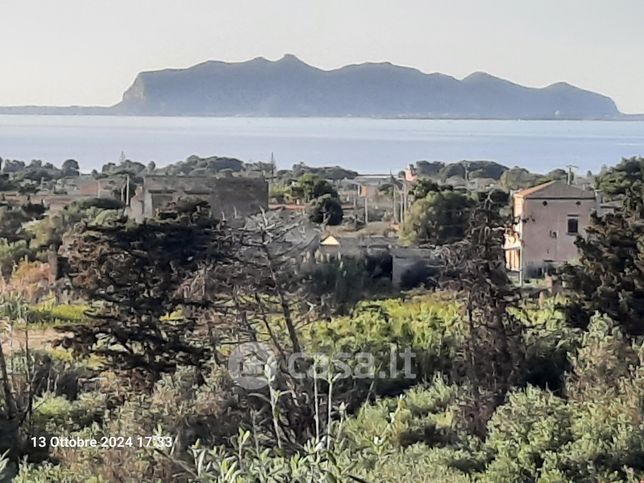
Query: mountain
pixel 289 87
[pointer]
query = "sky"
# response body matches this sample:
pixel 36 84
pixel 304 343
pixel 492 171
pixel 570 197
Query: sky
pixel 87 52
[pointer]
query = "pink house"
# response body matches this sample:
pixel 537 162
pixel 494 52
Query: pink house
pixel 548 219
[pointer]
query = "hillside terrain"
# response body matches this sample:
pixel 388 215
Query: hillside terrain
pixel 289 87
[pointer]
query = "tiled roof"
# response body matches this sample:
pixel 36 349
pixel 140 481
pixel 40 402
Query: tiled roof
pixel 528 191
pixel 555 190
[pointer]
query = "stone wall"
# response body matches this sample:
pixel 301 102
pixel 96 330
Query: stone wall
pixel 230 197
pixel 239 196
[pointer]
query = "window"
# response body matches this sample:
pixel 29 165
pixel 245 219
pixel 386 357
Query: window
pixel 573 225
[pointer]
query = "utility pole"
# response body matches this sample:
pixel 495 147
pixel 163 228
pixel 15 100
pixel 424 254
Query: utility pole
pixel 521 273
pixel 355 200
pixel 402 206
pixel 366 209
pixel 127 189
pixel 404 200
pixel 570 173
pixel 393 192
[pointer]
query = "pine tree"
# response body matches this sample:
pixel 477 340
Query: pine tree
pixel 493 352
pixel 134 274
pixel 609 277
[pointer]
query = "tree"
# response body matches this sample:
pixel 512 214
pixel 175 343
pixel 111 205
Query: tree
pixel 334 173
pixel 429 168
pixel 13 166
pixel 624 180
pixel 313 186
pixel 518 178
pixel 469 170
pixel 7 184
pixel 70 168
pixel 326 210
pixel 424 186
pixel 609 277
pixel 556 175
pixel 13 220
pixel 493 353
pixel 438 218
pixel 137 273
pixel 49 231
pixel 229 284
pixel 266 278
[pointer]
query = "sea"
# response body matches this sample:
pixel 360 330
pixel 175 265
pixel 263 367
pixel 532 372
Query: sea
pixel 364 145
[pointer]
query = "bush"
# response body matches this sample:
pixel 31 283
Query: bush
pixel 12 253
pixel 596 434
pixel 583 423
pixel 58 415
pixel 548 342
pixel 427 326
pixel 340 284
pixel 326 209
pixel 50 313
pixel 424 414
pixel 532 427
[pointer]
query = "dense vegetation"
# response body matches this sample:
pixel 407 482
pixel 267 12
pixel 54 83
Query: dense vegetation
pixel 506 178
pixel 501 388
pixel 610 275
pixel 437 215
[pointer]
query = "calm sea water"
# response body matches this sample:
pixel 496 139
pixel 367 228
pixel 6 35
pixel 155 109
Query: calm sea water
pixel 366 145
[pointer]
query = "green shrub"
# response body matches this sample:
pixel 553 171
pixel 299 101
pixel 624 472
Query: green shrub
pixel 48 473
pixel 49 313
pixel 595 434
pixel 427 326
pixel 341 284
pixel 423 414
pixel 531 427
pixel 58 415
pixel 548 342
pixel 12 253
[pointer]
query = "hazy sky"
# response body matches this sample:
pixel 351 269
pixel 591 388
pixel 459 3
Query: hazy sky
pixel 59 52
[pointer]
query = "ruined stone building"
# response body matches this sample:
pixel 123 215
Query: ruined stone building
pixel 229 197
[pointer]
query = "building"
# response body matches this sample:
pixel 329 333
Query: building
pixel 352 245
pixel 90 187
pixel 548 219
pixel 229 197
pixel 411 173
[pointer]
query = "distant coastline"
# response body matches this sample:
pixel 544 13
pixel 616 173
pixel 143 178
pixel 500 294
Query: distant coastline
pixel 109 112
